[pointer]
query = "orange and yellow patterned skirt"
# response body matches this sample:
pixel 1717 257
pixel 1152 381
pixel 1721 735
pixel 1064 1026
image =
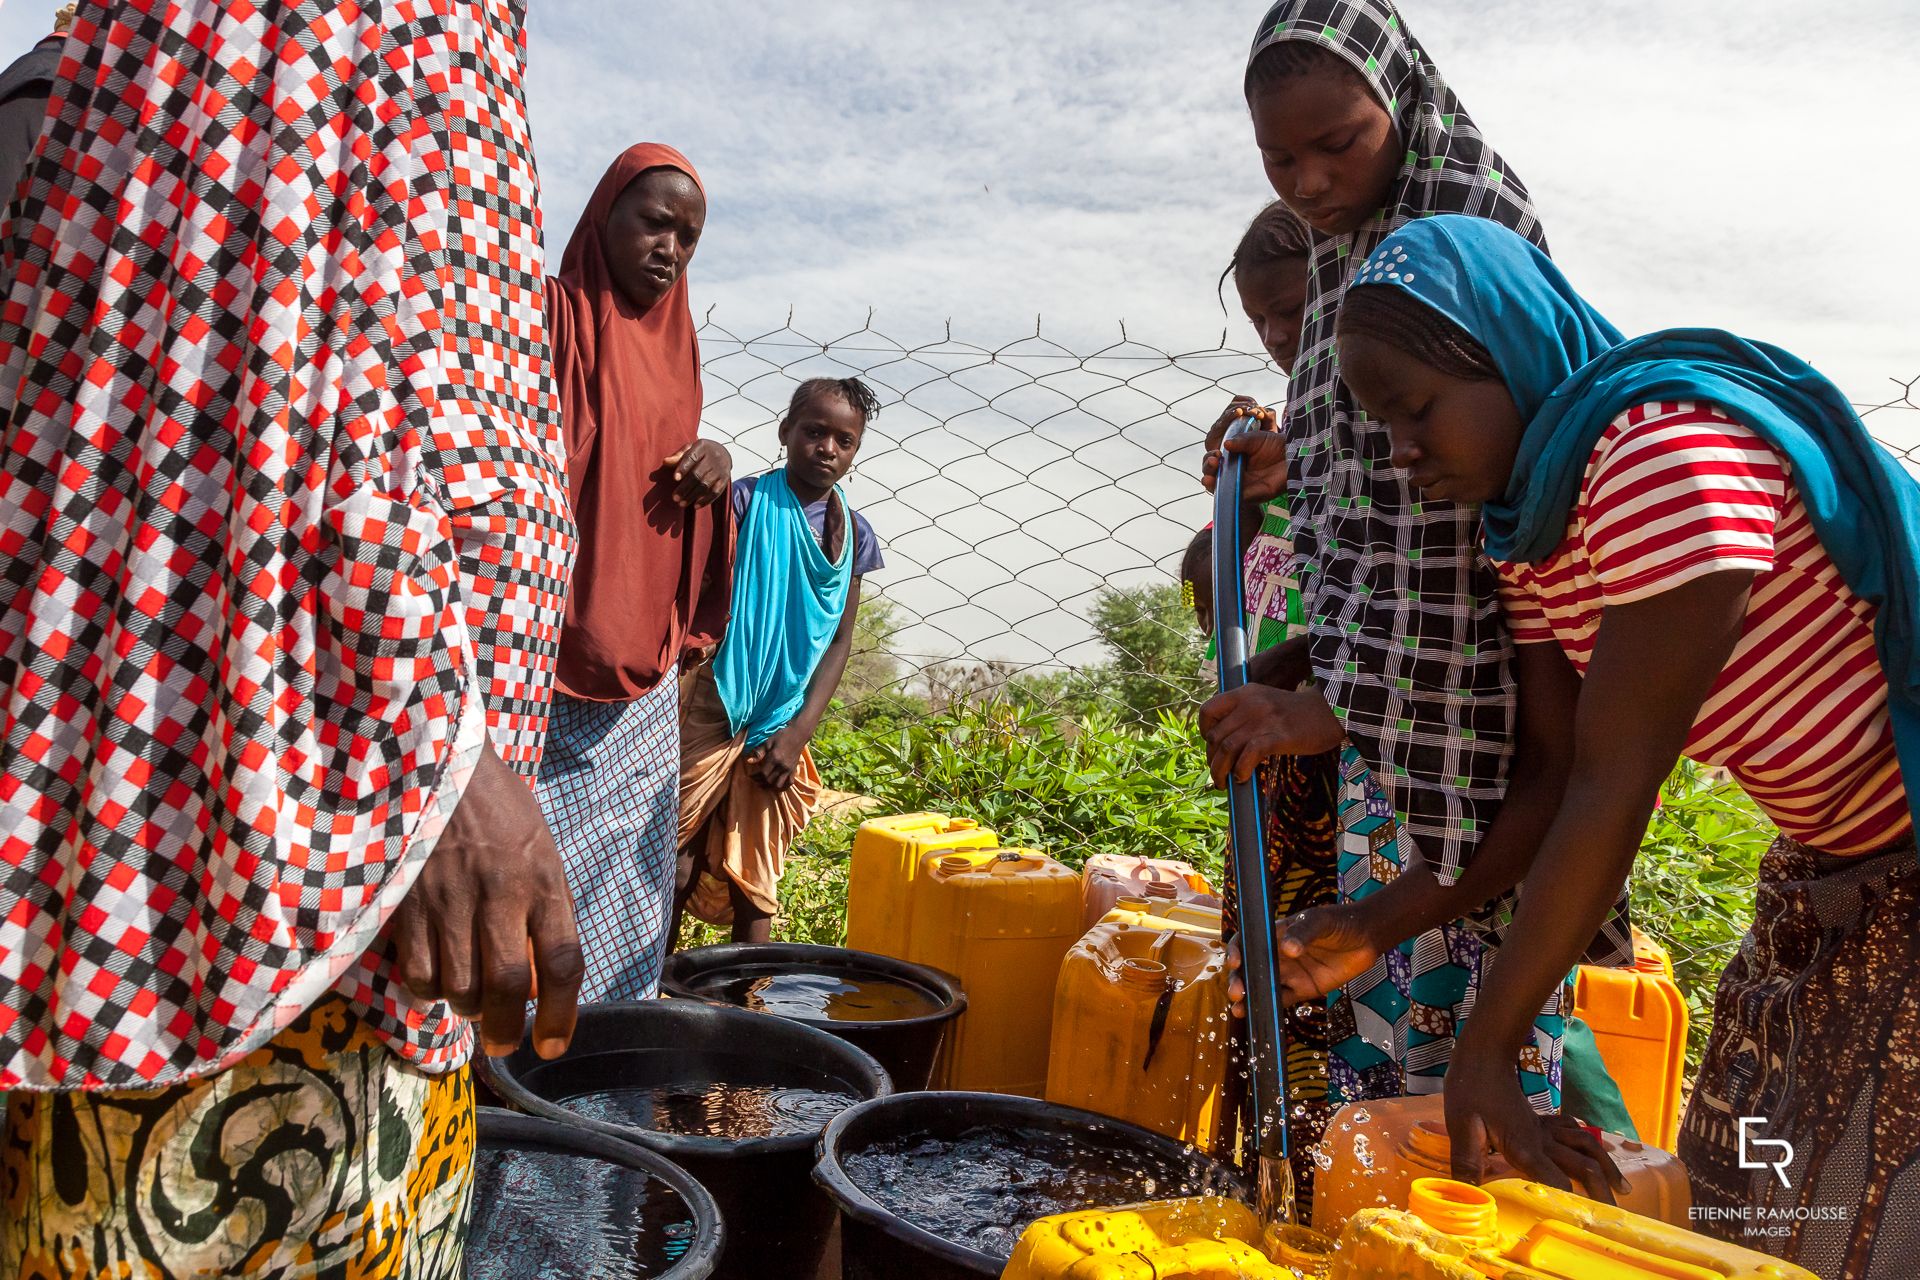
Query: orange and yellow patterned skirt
pixel 321 1154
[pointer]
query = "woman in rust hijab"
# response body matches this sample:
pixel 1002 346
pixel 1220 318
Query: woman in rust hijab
pixel 653 572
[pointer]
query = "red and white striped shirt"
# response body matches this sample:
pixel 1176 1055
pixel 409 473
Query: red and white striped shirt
pixel 1676 491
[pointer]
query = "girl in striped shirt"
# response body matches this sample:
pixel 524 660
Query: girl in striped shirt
pixel 1701 552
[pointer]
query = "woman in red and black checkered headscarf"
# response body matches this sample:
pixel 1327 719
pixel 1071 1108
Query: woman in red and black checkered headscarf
pixel 284 536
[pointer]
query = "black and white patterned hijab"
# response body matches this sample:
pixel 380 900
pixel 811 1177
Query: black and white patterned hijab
pixel 1404 620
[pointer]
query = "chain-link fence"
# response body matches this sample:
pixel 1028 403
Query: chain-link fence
pixel 1025 657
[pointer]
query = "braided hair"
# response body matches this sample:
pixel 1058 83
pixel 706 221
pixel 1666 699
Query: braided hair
pixel 1411 327
pixel 855 392
pixel 1276 234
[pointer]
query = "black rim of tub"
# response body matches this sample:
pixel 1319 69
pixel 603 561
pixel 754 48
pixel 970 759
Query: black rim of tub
pixel 685 966
pixel 752 1028
pixel 957 1111
pixel 566 1138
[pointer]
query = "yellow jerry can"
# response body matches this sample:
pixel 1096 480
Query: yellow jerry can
pixel 1001 921
pixel 1517 1230
pixel 1204 1238
pixel 1180 917
pixel 887 853
pixel 1109 877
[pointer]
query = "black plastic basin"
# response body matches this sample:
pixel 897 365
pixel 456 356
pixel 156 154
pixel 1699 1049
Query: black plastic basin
pixel 560 1202
pixel 761 1183
pixel 878 1243
pixel 755 975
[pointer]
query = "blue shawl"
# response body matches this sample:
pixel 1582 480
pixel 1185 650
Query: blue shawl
pixel 787 602
pixel 1571 373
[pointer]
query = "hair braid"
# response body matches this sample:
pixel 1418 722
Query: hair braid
pixel 1394 316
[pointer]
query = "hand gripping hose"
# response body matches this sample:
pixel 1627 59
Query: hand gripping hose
pixel 1267 1086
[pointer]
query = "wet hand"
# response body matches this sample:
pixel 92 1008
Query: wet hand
pixel 702 473
pixel 1256 722
pixel 1486 1111
pixel 1321 950
pixel 489 923
pixel 773 762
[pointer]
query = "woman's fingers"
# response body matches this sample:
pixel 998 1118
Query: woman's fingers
pixel 559 967
pixel 414 951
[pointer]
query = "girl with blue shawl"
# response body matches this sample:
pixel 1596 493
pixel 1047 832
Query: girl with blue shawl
pixel 747 781
pixel 1701 552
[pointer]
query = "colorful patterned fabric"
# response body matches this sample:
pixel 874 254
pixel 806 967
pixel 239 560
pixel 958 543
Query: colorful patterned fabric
pixel 1678 490
pixel 1403 615
pixel 1297 795
pixel 1393 1028
pixel 610 787
pixel 1814 1025
pixel 1274 608
pixel 281 518
pixel 320 1154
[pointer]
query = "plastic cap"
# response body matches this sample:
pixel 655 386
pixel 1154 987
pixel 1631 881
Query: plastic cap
pixel 1456 1209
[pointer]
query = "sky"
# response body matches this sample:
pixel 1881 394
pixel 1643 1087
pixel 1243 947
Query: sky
pixel 1728 162
pixel 1735 163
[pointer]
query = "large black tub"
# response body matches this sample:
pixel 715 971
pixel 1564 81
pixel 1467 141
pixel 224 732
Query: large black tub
pixel 938 1186
pixel 896 1011
pixel 736 1099
pixel 554 1201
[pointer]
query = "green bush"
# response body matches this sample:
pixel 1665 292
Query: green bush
pixel 1693 884
pixel 1076 786
pixel 1073 787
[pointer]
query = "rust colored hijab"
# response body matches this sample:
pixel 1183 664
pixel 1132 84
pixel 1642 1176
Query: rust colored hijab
pixel 651 578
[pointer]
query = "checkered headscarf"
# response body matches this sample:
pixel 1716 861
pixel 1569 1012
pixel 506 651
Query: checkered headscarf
pixel 1403 610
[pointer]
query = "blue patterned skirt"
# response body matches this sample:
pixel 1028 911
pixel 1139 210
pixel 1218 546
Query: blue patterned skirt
pixel 610 786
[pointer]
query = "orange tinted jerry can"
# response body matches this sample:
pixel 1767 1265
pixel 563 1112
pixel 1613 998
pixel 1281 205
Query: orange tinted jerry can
pixel 1140 1029
pixel 1639 1021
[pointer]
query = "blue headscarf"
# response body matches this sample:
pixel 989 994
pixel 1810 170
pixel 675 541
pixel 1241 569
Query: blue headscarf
pixel 1571 374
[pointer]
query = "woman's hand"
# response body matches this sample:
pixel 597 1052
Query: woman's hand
pixel 490 914
pixel 1265 449
pixel 772 763
pixel 702 473
pixel 1319 951
pixel 1256 722
pixel 1487 1111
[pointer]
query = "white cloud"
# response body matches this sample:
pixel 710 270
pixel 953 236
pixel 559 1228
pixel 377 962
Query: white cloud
pixel 1737 164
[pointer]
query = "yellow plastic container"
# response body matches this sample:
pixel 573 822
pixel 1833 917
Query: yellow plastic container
pixel 1517 1230
pixel 1140 1029
pixel 887 854
pixel 1109 877
pixel 1180 917
pixel 1373 1152
pixel 1206 1238
pixel 1001 921
pixel 1639 1021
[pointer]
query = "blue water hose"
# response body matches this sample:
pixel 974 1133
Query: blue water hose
pixel 1266 1042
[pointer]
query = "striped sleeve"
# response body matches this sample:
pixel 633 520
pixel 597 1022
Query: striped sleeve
pixel 1520 607
pixel 1676 492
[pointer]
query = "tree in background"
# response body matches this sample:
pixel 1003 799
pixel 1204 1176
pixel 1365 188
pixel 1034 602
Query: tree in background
pixel 1155 653
pixel 871 666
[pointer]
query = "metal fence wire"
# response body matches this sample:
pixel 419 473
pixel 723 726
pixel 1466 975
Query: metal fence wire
pixel 1033 499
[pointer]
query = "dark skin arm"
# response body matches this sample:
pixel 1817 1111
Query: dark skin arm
pixel 772 763
pixel 1654 662
pixel 1329 946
